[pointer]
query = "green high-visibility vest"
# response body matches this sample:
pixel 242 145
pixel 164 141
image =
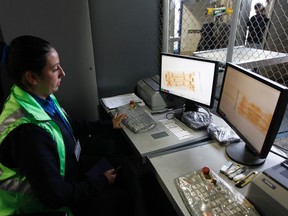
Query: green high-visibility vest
pixel 16 195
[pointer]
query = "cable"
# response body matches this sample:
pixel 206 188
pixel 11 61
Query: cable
pixel 279 154
pixel 174 112
pixel 280 147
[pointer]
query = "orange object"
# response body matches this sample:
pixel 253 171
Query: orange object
pixel 132 104
pixel 206 172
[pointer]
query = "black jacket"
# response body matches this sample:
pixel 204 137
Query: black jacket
pixel 256 28
pixel 32 150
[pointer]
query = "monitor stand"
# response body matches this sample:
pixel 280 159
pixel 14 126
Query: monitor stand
pixel 240 153
pixel 191 106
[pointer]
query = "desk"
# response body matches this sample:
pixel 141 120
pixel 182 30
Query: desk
pixel 145 143
pixel 170 166
pixel 245 56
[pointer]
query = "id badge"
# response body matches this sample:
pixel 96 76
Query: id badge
pixel 77 150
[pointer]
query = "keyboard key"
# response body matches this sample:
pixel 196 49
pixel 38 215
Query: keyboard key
pixel 139 120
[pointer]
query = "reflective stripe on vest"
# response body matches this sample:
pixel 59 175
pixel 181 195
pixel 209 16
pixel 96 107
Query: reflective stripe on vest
pixel 15 190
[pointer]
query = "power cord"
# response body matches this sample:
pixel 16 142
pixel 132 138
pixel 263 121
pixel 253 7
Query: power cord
pixel 281 148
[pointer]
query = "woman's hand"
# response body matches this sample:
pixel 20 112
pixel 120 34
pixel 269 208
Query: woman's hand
pixel 118 119
pixel 110 175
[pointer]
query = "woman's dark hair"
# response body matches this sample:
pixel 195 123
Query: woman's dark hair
pixel 27 53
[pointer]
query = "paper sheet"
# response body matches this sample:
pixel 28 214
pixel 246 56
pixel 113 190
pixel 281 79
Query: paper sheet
pixel 178 131
pixel 120 100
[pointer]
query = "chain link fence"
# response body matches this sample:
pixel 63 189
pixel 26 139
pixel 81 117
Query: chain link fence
pixel 219 30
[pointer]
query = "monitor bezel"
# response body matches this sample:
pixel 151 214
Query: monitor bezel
pixel 276 118
pixel 214 84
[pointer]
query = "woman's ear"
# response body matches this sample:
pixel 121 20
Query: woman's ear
pixel 30 78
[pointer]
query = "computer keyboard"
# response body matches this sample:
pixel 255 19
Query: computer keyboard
pixel 211 195
pixel 139 120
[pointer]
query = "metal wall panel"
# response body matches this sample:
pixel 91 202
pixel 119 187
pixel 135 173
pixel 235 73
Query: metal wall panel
pixel 66 24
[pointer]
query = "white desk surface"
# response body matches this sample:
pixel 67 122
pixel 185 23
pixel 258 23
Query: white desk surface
pixel 170 166
pixel 245 56
pixel 146 145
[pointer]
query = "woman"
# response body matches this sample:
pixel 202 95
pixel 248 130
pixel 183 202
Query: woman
pixel 41 164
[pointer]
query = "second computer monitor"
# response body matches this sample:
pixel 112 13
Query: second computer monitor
pixel 254 107
pixel 193 79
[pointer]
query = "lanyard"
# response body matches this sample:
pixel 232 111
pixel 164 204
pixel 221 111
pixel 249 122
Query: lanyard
pixel 67 125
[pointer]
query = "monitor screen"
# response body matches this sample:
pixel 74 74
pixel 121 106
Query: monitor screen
pixel 254 107
pixel 190 78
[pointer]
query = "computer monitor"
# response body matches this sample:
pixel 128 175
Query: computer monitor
pixel 254 107
pixel 190 78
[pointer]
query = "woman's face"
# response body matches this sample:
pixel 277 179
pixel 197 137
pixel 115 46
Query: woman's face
pixel 49 80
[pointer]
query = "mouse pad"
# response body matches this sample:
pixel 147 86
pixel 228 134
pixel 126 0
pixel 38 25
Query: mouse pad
pixel 159 135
